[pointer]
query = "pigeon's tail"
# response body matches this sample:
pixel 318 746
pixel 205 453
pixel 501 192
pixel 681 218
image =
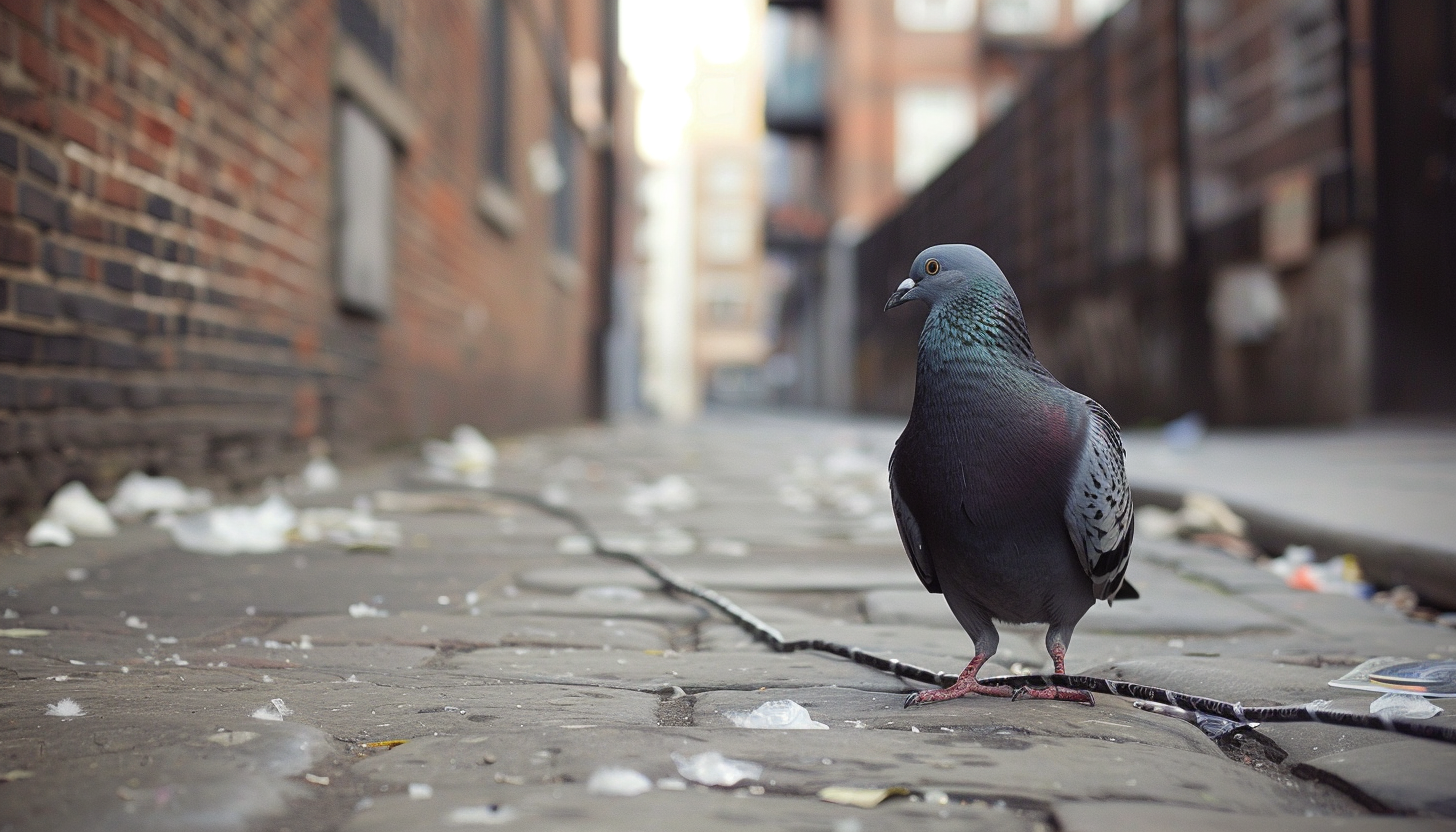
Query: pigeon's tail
pixel 1126 592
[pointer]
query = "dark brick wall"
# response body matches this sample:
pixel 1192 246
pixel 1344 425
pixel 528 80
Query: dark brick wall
pixel 166 298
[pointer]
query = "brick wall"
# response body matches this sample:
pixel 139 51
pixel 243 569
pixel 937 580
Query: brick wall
pixel 166 298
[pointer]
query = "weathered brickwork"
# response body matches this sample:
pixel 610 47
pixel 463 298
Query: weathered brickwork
pixel 166 259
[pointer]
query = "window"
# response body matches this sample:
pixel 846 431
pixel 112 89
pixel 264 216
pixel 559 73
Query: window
pixel 495 199
pixel 935 15
pixel 563 202
pixel 364 175
pixel 1021 17
pixel 933 123
pixel 496 62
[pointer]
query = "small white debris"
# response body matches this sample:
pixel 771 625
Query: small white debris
pixel 135 623
pixel 472 597
pixel 352 529
pixel 315 779
pixel 555 494
pixel 671 493
pixel 726 548
pixel 617 781
pixel 274 711
pixel 573 544
pixel 778 714
pixel 47 532
pixel 76 574
pixel 672 784
pixel 237 530
pixel 304 642
pixel 320 475
pixel 421 791
pixel 363 610
pixel 713 769
pixel 74 507
pixel 250 610
pixel 443 600
pixel 491 815
pixel 609 594
pixel 467 459
pixel 138 495
pixel 352 678
pixel 9 613
pixel 66 708
pixel 1405 706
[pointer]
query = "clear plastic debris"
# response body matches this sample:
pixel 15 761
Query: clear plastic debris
pixel 421 791
pixel 671 493
pixel 65 708
pixel 783 714
pixel 618 781
pixel 713 769
pixel 74 507
pixel 138 495
pixel 274 711
pixel 1405 706
pixel 237 530
pixel 467 459
pixel 47 532
pixel 316 779
pixel 228 738
pixel 493 814
pixel 363 610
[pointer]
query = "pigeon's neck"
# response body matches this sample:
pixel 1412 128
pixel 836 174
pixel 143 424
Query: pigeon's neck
pixel 973 328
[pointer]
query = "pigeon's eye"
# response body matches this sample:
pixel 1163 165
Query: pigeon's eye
pixel 932 266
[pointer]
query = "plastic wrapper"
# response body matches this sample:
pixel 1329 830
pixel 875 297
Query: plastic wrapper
pixel 237 530
pixel 138 495
pixel 1405 706
pixel 617 781
pixel 713 769
pixel 74 507
pixel 783 714
pixel 467 459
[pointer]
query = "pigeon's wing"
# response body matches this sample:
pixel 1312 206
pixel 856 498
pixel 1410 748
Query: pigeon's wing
pixel 910 535
pixel 1099 505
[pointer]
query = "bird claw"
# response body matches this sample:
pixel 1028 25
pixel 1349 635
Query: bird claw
pixel 912 699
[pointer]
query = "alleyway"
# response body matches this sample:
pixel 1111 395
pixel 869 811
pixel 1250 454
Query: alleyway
pixel 516 667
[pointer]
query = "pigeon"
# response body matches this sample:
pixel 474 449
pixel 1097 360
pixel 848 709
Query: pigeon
pixel 1008 488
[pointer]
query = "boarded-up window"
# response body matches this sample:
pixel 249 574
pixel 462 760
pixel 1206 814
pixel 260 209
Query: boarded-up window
pixel 364 246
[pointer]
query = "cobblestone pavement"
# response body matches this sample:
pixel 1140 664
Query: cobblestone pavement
pixel 515 670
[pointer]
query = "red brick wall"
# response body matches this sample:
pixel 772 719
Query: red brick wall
pixel 165 203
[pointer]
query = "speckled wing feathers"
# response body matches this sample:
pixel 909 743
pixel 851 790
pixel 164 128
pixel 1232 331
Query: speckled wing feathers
pixel 1099 506
pixel 910 536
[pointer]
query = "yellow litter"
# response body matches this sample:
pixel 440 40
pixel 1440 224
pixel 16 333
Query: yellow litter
pixel 23 632
pixel 16 774
pixel 384 743
pixel 862 798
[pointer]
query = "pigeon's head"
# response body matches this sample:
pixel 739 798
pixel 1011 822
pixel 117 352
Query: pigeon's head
pixel 942 272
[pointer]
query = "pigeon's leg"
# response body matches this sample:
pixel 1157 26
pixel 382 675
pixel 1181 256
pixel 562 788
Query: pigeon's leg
pixel 965 684
pixel 1057 648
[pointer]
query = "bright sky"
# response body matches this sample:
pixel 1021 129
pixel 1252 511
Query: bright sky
pixel 662 41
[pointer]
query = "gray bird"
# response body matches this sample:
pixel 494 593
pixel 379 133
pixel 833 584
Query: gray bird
pixel 1008 488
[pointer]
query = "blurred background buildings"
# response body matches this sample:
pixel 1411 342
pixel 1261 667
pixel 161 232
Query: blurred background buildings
pixel 228 228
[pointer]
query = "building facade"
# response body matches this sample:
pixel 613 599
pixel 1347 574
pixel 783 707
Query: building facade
pixel 228 228
pixel 1239 208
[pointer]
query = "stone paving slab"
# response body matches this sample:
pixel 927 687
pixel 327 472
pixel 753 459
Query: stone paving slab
pixel 759 577
pixel 1122 816
pixel 635 670
pixel 651 607
pixel 457 631
pixel 569 808
pixel 1034 769
pixel 1408 775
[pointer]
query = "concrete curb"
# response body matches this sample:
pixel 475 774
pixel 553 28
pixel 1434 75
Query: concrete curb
pixel 1429 570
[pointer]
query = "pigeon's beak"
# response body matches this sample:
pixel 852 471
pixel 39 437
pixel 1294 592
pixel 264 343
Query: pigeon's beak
pixel 901 294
